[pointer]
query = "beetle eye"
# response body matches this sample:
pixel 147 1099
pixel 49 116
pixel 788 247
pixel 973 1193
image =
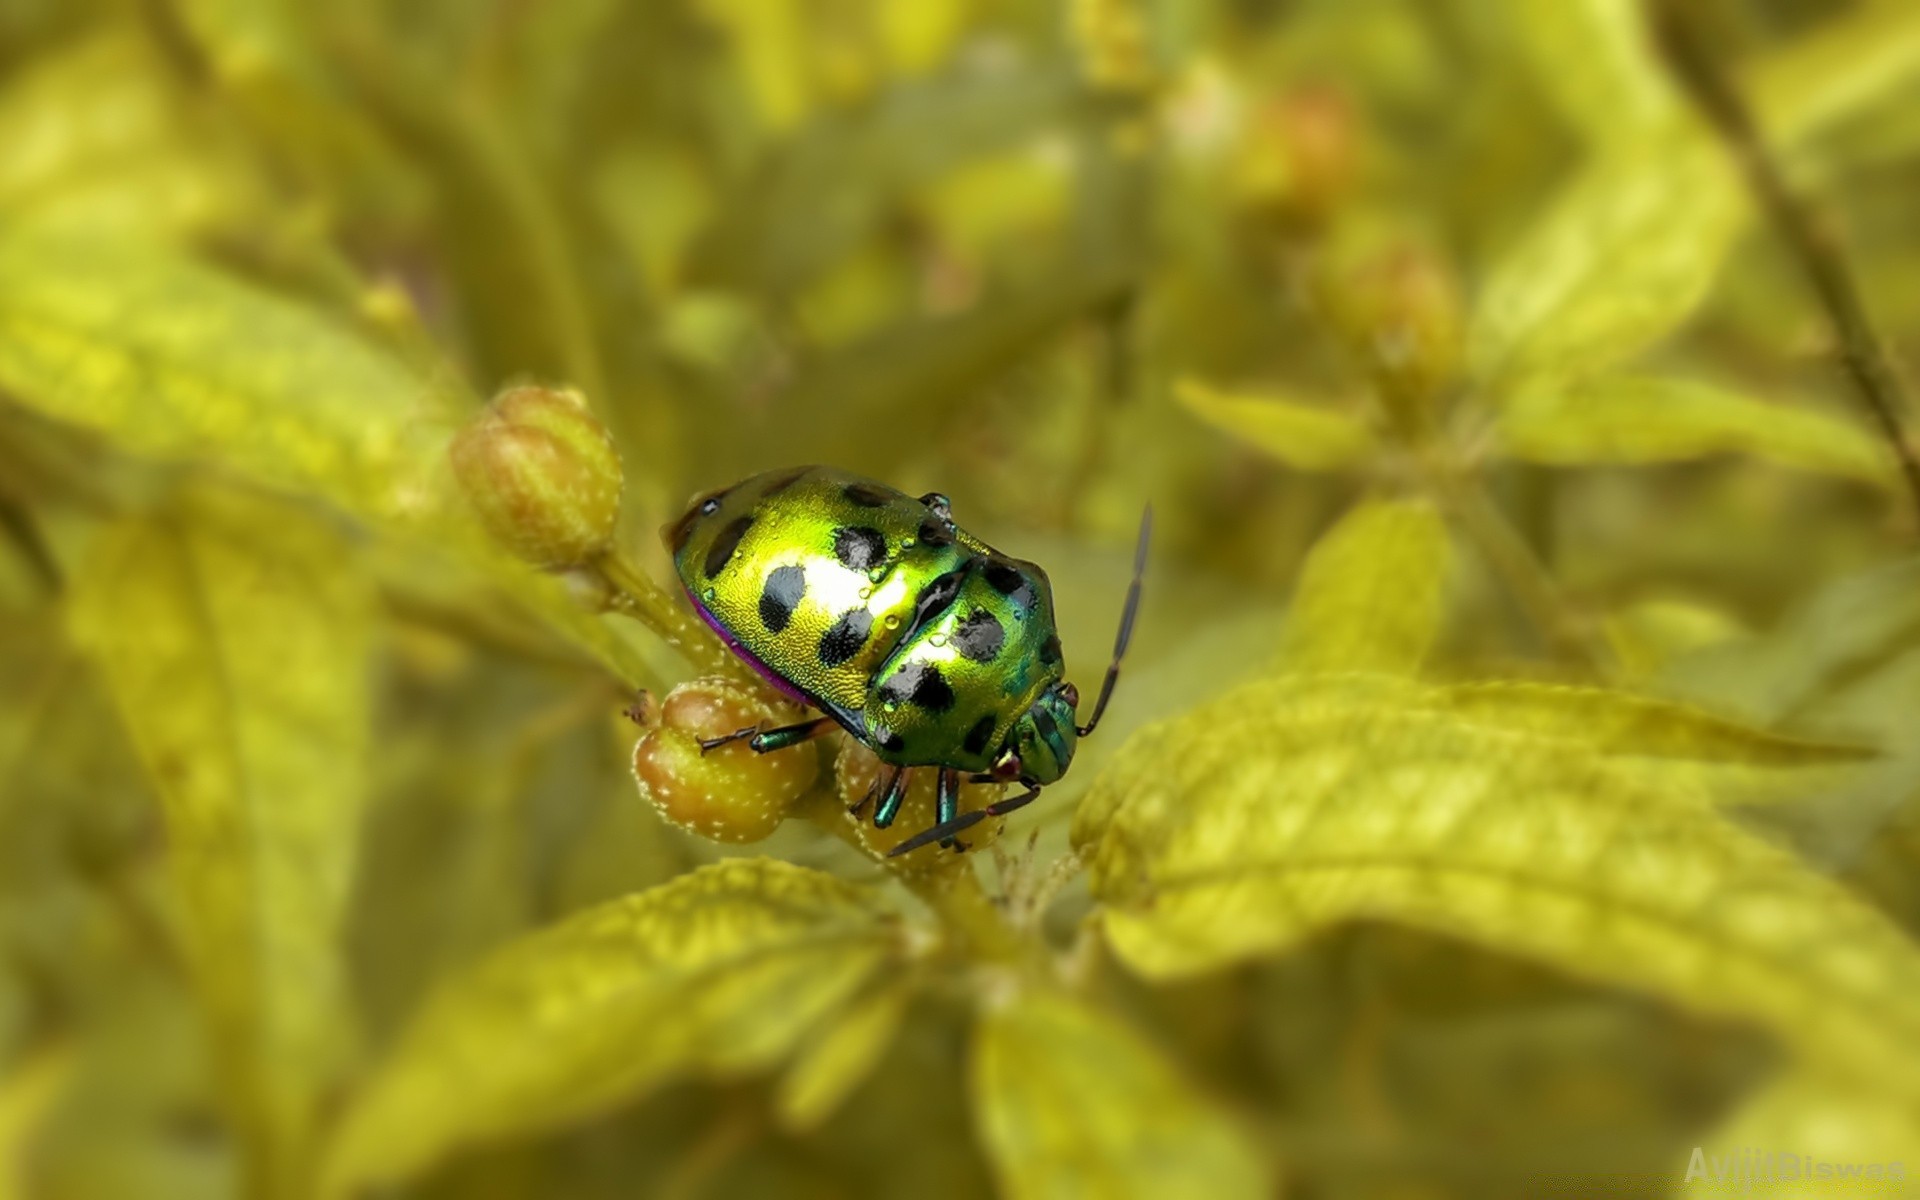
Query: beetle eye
pixel 1007 766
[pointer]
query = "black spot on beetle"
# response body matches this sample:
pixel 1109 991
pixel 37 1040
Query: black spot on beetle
pixel 859 547
pixel 934 534
pixel 976 742
pixel 920 684
pixel 845 636
pixel 867 496
pixel 1049 731
pixel 1010 581
pixel 979 637
pixel 934 598
pixel 725 543
pixel 1050 651
pixel 780 596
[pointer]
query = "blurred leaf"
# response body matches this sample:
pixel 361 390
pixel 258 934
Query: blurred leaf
pixel 1841 68
pixel 719 972
pixel 1596 60
pixel 831 184
pixel 1622 257
pixel 1288 807
pixel 1071 1103
pixel 1620 723
pixel 1373 593
pixel 860 405
pixel 99 139
pixel 1305 437
pixel 27 1091
pixel 236 637
pixel 1837 635
pixel 172 359
pixel 175 360
pixel 1811 1115
pixel 839 1058
pixel 1646 419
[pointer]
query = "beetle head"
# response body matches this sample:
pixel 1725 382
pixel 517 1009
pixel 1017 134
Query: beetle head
pixel 1041 742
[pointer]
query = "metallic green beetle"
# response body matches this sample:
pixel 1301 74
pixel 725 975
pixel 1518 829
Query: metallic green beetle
pixel 925 643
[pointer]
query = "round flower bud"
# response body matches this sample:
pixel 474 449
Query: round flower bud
pixel 1399 307
pixel 729 793
pixel 857 771
pixel 543 474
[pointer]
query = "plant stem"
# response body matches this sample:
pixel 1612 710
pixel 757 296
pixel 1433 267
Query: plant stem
pixel 1526 579
pixel 1814 246
pixel 637 596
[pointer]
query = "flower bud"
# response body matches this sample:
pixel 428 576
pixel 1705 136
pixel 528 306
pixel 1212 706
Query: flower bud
pixel 1400 309
pixel 1298 160
pixel 857 770
pixel 543 474
pixel 729 793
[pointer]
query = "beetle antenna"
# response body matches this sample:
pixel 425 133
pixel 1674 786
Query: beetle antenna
pixel 966 820
pixel 1126 623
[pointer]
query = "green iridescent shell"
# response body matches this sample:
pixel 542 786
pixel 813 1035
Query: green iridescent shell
pixel 922 641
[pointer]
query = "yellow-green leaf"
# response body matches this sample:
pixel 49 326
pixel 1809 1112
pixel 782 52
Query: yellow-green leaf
pixel 1373 593
pixel 838 1058
pixel 719 972
pixel 1305 437
pixel 1596 60
pixel 1813 1118
pixel 27 1092
pixel 1841 68
pixel 1645 419
pixel 1621 258
pixel 236 636
pixel 1623 724
pixel 1072 1103
pixel 1290 806
pixel 175 360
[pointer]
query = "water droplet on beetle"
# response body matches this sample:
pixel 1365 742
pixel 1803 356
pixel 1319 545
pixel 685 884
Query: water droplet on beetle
pixel 893 620
pixel 707 595
pixel 865 592
pixel 938 639
pixel 877 574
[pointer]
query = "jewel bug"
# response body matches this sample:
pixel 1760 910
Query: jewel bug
pixel 930 647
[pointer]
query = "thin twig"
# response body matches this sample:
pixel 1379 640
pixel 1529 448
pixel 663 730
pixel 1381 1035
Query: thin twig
pixel 1814 245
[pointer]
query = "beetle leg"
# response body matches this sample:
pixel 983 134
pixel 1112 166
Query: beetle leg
pixel 946 829
pixel 873 789
pixel 947 800
pixel 772 739
pixel 890 803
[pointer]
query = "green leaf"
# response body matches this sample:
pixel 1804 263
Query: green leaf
pixel 1842 68
pixel 1072 1103
pixel 1595 59
pixel 1812 1115
pixel 100 139
pixel 1621 258
pixel 1305 437
pixel 1646 419
pixel 719 972
pixel 839 1058
pixel 1623 724
pixel 1291 806
pixel 236 638
pixel 1373 593
pixel 171 359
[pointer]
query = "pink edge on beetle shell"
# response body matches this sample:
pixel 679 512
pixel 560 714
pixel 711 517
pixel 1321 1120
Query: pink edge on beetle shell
pixel 747 656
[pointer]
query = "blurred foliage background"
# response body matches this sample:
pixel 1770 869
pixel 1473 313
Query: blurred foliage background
pixel 1516 783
